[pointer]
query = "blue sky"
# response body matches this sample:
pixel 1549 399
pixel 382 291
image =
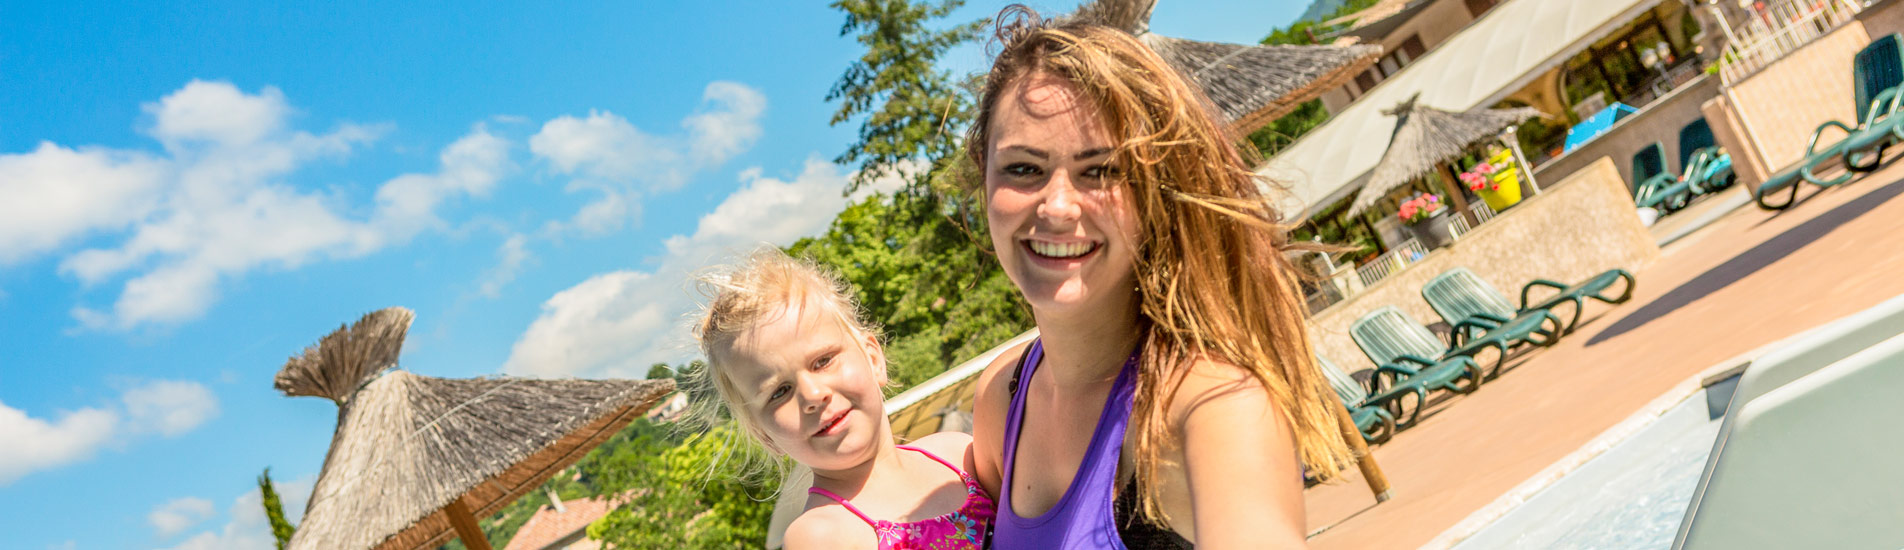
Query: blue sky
pixel 191 194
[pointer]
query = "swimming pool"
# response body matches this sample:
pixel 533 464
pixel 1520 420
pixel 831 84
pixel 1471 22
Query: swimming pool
pixel 1632 496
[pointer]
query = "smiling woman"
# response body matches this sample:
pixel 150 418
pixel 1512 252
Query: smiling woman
pixel 1154 267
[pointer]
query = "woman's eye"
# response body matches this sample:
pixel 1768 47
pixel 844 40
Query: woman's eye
pixel 779 392
pixel 1101 172
pixel 823 362
pixel 1020 169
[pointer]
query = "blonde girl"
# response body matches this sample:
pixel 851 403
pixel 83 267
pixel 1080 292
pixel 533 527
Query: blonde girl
pixel 792 364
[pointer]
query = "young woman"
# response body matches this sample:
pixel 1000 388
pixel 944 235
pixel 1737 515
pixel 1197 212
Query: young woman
pixel 1172 397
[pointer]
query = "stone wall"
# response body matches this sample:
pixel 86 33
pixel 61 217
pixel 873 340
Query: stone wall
pixel 1580 226
pixel 1781 104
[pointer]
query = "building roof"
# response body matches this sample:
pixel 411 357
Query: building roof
pixel 1425 137
pixel 549 525
pixel 407 446
pixel 1494 56
pixel 1249 85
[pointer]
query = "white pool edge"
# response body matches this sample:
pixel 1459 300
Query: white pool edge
pixel 1613 436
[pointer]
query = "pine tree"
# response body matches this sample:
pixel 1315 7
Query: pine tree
pixel 281 528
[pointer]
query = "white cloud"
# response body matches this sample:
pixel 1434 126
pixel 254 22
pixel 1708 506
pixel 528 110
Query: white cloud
pixel 33 444
pixel 510 257
pixel 247 528
pixel 169 407
pixel 165 407
pixel 618 323
pixel 55 195
pixel 729 127
pixel 215 206
pixel 619 162
pixel 179 514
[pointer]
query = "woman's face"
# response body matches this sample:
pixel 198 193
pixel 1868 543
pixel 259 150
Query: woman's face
pixel 811 385
pixel 1059 215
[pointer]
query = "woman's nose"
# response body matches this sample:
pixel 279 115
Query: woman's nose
pixel 1061 198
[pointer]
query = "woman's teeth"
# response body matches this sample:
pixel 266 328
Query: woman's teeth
pixel 1060 250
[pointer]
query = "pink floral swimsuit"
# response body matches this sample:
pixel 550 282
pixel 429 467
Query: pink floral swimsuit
pixel 960 530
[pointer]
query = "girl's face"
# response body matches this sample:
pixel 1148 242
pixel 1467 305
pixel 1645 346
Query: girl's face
pixel 812 386
pixel 1059 215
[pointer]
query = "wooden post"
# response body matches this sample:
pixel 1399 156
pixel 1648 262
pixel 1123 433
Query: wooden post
pixel 1459 198
pixel 1371 472
pixel 465 525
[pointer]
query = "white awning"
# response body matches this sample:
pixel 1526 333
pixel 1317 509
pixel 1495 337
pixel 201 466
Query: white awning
pixel 1496 55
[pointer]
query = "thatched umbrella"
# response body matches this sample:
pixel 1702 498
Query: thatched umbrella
pixel 1250 85
pixel 416 458
pixel 1426 137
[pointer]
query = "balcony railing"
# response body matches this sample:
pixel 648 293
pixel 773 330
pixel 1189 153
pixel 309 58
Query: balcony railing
pixel 1778 29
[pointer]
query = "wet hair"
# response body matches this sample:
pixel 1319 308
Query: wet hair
pixel 1213 278
pixel 761 287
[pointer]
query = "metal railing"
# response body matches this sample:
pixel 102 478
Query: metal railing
pixel 1778 29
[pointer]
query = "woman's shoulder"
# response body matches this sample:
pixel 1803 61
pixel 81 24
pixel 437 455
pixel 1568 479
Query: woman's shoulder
pixel 1214 382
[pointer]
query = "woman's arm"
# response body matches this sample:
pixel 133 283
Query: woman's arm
pixel 1241 462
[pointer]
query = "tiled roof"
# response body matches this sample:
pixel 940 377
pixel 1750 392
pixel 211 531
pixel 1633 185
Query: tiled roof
pixel 548 526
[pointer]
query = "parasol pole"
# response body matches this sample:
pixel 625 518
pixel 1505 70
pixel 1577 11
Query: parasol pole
pixel 465 525
pixel 1371 472
pixel 1454 194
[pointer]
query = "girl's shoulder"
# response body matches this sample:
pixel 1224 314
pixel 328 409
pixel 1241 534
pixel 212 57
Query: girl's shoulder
pixel 827 524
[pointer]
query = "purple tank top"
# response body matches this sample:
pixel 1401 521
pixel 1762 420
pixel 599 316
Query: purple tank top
pixel 1083 516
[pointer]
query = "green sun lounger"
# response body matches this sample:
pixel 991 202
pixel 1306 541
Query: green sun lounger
pixel 1707 166
pixel 1473 307
pixel 1653 185
pixel 1393 383
pixel 1389 337
pixel 1594 287
pixel 1375 423
pixel 1878 70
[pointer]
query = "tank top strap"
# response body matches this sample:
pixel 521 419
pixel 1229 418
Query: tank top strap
pixel 849 506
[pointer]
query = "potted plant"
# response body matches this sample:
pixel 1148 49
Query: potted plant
pixel 1425 216
pixel 1495 179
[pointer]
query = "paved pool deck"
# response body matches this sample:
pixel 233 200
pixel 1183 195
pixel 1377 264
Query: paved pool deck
pixel 1717 294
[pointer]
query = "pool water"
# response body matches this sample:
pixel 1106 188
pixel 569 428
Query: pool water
pixel 1633 496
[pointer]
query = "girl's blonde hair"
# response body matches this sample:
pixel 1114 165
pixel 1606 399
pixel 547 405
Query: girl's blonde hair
pixel 1212 276
pixel 740 297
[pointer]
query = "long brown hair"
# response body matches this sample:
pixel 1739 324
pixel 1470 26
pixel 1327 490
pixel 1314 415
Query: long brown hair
pixel 1212 274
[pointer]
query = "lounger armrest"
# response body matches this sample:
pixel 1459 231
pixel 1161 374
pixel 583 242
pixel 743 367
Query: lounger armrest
pixel 1460 329
pixel 1538 283
pixel 1416 359
pixel 1811 147
pixel 1405 372
pixel 1881 106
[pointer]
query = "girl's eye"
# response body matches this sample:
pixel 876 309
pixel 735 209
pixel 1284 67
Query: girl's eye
pixel 779 392
pixel 1020 169
pixel 823 362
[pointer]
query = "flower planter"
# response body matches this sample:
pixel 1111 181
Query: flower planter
pixel 1508 193
pixel 1433 232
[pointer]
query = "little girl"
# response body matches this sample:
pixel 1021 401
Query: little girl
pixel 795 369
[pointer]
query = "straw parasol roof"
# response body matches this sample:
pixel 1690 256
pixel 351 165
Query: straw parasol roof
pixel 414 454
pixel 1250 85
pixel 1425 137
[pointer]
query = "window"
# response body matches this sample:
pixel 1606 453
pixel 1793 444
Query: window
pixel 1412 46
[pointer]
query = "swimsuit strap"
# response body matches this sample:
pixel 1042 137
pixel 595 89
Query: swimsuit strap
pixel 849 506
pixel 862 515
pixel 948 464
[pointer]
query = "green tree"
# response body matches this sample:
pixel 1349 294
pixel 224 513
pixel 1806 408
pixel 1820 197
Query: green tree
pixel 281 528
pixel 683 495
pixel 915 256
pixel 660 371
pixel 912 109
